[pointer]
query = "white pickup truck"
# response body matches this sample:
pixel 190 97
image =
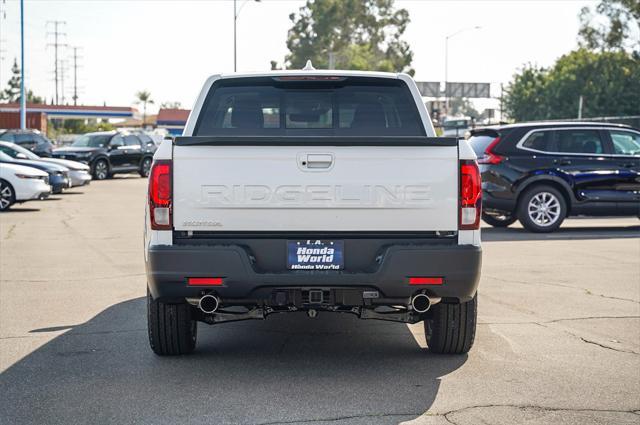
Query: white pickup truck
pixel 312 191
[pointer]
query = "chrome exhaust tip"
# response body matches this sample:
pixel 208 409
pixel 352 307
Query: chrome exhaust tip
pixel 208 304
pixel 421 303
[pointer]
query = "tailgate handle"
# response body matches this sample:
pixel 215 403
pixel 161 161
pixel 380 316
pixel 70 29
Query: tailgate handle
pixel 318 160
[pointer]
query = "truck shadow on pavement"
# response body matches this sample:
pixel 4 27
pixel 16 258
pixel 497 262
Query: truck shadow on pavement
pixel 494 234
pixel 286 369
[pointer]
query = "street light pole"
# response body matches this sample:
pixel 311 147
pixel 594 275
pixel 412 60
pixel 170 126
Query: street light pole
pixel 446 75
pixel 23 98
pixel 235 45
pixel 236 13
pixel 446 63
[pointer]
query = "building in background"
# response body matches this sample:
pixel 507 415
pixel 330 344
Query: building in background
pixel 74 112
pixel 172 120
pixel 35 120
pixel 136 123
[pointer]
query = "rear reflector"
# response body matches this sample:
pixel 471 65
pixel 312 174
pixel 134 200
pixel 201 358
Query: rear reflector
pixel 425 281
pixel 470 195
pixel 204 281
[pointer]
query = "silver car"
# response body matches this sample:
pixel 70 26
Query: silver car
pixel 79 174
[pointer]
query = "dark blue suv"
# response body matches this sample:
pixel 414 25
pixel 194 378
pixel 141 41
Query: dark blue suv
pixel 540 173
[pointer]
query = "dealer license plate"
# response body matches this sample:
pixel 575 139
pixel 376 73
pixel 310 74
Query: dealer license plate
pixel 314 254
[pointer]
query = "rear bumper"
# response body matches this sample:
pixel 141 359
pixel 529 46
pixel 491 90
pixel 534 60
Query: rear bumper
pixel 169 267
pixel 491 202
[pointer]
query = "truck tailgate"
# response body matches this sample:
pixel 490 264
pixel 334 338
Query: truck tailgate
pixel 315 188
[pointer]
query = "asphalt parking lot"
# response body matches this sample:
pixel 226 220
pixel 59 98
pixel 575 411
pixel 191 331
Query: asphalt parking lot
pixel 558 339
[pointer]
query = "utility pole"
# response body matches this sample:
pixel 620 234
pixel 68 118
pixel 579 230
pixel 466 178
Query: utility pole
pixel 56 44
pixel 501 101
pixel 580 102
pixel 63 65
pixel 75 75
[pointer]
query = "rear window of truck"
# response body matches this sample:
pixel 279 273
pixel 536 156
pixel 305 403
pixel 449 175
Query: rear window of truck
pixel 285 106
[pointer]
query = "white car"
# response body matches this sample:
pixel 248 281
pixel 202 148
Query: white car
pixel 19 184
pixel 316 192
pixel 79 173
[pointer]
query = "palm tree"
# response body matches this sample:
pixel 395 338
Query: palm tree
pixel 144 97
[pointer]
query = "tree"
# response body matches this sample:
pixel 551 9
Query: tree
pixel 616 26
pixel 32 98
pixel 608 81
pixel 79 126
pixel 144 97
pixel 171 105
pixel 524 98
pixel 12 93
pixel 349 34
pixel 462 106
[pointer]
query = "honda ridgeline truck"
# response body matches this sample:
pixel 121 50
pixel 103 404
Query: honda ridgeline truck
pixel 312 191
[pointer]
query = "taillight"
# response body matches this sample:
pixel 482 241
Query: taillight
pixel 160 194
pixel 470 195
pixel 490 157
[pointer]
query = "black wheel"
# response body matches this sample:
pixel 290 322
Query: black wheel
pixel 145 167
pixel 542 209
pixel 504 220
pixel 7 195
pixel 101 170
pixel 172 330
pixel 451 328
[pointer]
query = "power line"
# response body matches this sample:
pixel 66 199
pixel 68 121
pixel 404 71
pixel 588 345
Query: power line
pixel 56 44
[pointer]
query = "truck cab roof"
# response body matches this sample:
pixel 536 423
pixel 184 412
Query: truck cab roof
pixel 310 73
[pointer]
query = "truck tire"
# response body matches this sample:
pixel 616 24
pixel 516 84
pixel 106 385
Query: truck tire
pixel 499 221
pixel 542 209
pixel 172 330
pixel 451 329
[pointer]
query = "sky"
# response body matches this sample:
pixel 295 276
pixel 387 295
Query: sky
pixel 169 47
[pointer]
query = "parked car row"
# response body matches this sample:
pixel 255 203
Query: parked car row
pixel 540 173
pixel 26 157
